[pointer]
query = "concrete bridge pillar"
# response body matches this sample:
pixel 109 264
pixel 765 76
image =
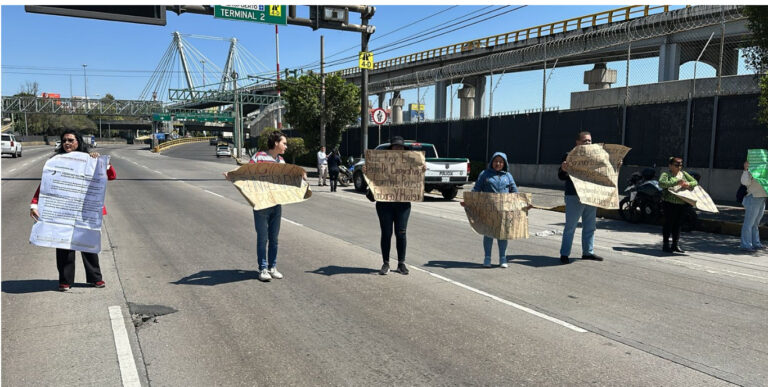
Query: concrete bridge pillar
pixel 397 108
pixel 599 77
pixel 669 62
pixel 467 98
pixel 478 83
pixel 381 97
pixel 730 62
pixel 440 99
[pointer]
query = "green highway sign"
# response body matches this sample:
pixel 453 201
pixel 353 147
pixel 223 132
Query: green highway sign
pixel 270 14
pixel 199 117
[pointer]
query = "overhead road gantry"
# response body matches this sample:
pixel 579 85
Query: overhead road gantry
pixel 27 104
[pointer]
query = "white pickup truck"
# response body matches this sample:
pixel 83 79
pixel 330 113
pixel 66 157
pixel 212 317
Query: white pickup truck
pixel 10 145
pixel 443 174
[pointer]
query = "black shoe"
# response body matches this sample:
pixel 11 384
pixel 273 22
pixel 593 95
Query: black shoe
pixel 384 269
pixel 564 259
pixel 677 249
pixel 592 257
pixel 402 268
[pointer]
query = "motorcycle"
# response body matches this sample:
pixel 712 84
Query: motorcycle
pixel 643 202
pixel 345 176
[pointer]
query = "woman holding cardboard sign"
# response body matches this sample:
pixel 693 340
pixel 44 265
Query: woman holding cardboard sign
pixel 496 178
pixel 392 214
pixel 674 207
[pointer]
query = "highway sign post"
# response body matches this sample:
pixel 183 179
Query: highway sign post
pixel 366 60
pixel 379 117
pixel 270 14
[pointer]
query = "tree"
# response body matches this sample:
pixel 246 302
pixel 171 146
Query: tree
pixel 757 55
pixel 302 99
pixel 295 149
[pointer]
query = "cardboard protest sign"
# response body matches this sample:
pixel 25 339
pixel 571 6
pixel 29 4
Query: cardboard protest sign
pixel 72 190
pixel 696 197
pixel 498 215
pixel 594 171
pixel 265 185
pixel 758 166
pixel 395 175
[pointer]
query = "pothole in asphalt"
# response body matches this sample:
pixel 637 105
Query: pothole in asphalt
pixel 141 313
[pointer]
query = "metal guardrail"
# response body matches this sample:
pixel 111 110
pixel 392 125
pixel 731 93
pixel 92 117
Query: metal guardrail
pixel 606 17
pixel 180 141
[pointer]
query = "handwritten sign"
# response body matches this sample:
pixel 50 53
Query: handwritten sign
pixel 594 171
pixel 758 166
pixel 72 190
pixel 395 175
pixel 265 185
pixel 498 215
pixel 696 197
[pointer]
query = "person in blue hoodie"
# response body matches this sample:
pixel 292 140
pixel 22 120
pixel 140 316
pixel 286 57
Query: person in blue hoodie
pixel 496 178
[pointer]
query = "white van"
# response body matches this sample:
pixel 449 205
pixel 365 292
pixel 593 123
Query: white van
pixel 10 146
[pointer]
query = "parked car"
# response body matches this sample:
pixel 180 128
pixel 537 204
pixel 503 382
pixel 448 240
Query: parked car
pixel 446 175
pixel 10 145
pixel 223 150
pixel 214 141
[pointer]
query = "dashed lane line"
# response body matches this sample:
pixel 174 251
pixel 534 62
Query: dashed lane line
pixel 128 372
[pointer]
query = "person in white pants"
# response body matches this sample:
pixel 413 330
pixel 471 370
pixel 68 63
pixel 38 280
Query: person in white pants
pixel 322 166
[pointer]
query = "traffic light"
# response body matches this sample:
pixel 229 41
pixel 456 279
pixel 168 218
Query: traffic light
pixel 326 16
pixel 142 14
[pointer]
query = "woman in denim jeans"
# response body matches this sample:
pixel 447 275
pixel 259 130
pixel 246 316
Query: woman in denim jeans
pixel 267 220
pixel 754 208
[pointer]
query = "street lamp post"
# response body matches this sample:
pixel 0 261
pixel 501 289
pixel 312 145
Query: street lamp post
pixel 97 99
pixel 85 82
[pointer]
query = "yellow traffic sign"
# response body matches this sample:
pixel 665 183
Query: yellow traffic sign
pixel 275 10
pixel 366 60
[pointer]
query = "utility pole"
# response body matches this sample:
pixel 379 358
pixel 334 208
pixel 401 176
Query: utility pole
pixel 237 116
pixel 322 91
pixel 365 36
pixel 277 59
pixel 85 81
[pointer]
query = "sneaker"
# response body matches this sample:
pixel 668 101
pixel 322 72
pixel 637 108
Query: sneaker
pixel 99 284
pixel 592 257
pixel 384 269
pixel 402 269
pixel 264 275
pixel 63 288
pixel 503 262
pixel 275 274
pixel 677 249
pixel 747 249
pixel 564 259
pixel 487 262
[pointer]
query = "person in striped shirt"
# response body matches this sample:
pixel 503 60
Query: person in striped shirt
pixel 267 220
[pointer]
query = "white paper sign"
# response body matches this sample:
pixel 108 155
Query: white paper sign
pixel 72 192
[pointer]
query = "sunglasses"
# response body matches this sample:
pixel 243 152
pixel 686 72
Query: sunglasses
pixel 70 140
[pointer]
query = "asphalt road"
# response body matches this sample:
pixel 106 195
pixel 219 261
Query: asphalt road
pixel 179 260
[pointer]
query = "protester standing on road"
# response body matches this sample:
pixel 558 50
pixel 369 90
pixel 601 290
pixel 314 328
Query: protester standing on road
pixel 334 160
pixel 71 141
pixel 322 166
pixel 754 208
pixel 267 220
pixel 393 213
pixel 496 178
pixel 674 207
pixel 574 210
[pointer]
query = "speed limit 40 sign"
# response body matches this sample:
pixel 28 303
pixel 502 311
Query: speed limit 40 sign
pixel 379 116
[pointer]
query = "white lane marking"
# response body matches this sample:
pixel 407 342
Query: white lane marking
pixel 12 170
pixel 503 301
pixel 213 193
pixel 128 372
pixel 157 172
pixel 292 222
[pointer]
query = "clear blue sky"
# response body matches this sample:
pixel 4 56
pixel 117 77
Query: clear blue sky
pixel 121 57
